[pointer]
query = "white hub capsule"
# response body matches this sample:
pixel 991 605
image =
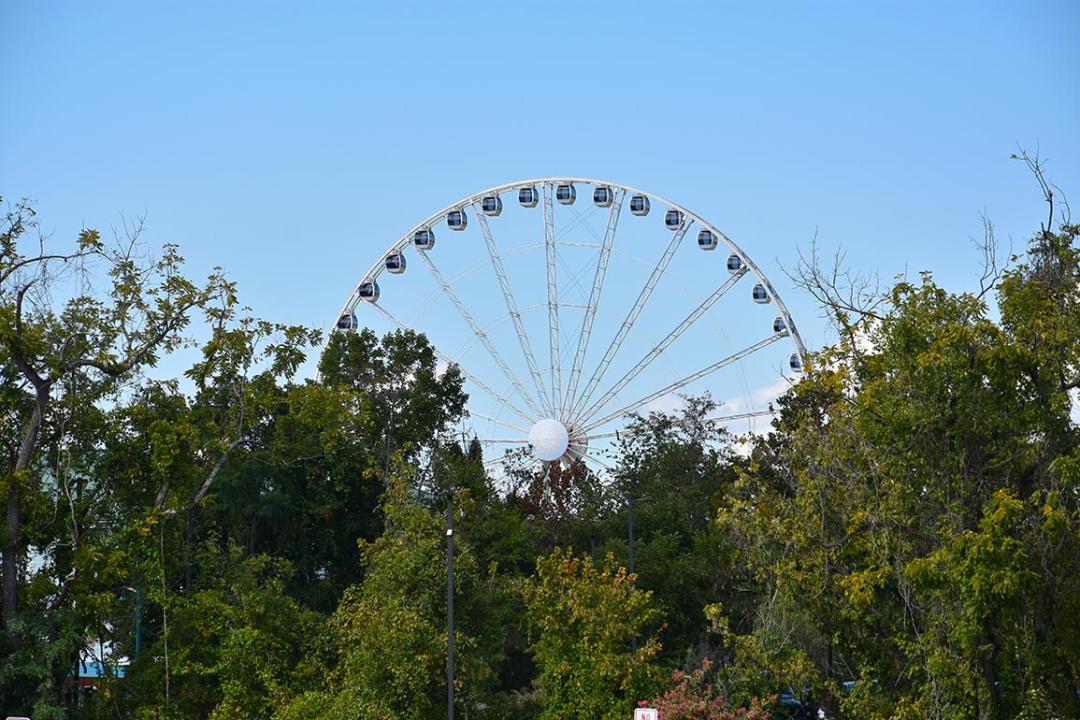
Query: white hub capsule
pixel 549 440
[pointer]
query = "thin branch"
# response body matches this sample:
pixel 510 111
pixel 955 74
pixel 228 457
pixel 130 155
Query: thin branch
pixel 992 269
pixel 205 487
pixel 16 266
pixel 1037 166
pixel 17 352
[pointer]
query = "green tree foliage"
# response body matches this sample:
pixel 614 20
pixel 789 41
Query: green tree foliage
pixel 904 543
pixel 584 619
pixel 389 634
pixel 118 484
pixel 62 362
pixel 239 645
pixel 914 519
pixel 677 468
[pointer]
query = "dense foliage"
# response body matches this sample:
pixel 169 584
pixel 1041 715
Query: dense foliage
pixel 593 647
pixel 903 543
pixel 913 520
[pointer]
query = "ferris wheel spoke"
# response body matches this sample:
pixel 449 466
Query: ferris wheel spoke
pixel 511 454
pixel 594 296
pixel 717 419
pixel 553 299
pixel 664 344
pixel 741 416
pixel 507 456
pixel 597 460
pixel 464 273
pixel 502 441
pixel 479 332
pixel 681 383
pixel 476 381
pixel 632 316
pixel 512 308
pixel 497 421
pixel 574 276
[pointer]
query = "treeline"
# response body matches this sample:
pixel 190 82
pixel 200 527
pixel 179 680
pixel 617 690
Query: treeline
pixel 903 543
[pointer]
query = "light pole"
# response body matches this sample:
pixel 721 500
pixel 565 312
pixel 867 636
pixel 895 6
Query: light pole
pixel 450 605
pixel 630 544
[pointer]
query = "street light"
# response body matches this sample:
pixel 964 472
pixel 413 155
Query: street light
pixel 450 605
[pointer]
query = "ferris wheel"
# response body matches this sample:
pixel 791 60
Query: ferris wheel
pixel 571 305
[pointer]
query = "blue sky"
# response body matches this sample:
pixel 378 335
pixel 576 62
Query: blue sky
pixel 292 143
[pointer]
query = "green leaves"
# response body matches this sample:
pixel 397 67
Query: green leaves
pixel 913 519
pixel 584 620
pixel 90 239
pixel 239 645
pixel 389 633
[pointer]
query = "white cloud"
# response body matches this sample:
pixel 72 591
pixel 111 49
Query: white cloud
pixel 758 400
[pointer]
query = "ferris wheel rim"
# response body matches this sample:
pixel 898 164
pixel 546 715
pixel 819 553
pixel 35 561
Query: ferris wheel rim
pixel 583 405
pixel 378 267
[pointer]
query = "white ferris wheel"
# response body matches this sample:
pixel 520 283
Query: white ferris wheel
pixel 570 305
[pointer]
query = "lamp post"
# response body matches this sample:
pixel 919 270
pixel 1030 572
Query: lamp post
pixel 450 605
pixel 630 547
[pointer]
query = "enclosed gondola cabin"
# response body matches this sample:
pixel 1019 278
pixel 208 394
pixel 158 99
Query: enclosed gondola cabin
pixel 491 205
pixel 395 263
pixel 795 362
pixel 348 321
pixel 457 220
pixel 566 194
pixel 424 239
pixel 734 263
pixel 778 325
pixel 528 197
pixel 369 291
pixel 707 240
pixel 603 196
pixel 673 219
pixel 639 205
pixel 761 295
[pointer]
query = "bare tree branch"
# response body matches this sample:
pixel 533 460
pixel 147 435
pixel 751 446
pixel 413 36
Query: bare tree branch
pixel 1037 166
pixel 993 268
pixel 850 300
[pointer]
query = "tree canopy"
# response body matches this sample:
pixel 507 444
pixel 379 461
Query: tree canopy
pixel 242 542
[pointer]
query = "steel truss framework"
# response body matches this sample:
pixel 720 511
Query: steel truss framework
pixel 571 403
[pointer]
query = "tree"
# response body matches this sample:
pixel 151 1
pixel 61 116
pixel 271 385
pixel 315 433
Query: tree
pixel 677 468
pixel 239 645
pixel 914 519
pixel 583 619
pixel 398 383
pixel 693 697
pixel 60 362
pixel 389 633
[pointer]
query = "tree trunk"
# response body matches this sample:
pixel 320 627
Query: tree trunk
pixel 13 516
pixel 988 669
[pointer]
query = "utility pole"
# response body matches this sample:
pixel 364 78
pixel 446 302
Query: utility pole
pixel 450 605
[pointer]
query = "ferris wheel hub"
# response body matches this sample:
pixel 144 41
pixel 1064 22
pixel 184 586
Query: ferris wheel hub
pixel 549 439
